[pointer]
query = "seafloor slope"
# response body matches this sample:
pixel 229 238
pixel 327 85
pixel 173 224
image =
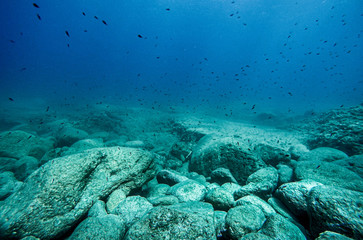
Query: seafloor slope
pixel 124 173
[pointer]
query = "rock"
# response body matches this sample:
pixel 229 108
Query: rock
pixel 185 221
pixel 85 144
pixel 296 151
pixel 181 150
pixel 272 155
pixel 30 238
pixel 278 227
pixel 18 144
pixel 212 152
pixel 104 227
pixel 231 187
pixel 286 174
pixel 324 154
pixel 62 191
pixel 294 196
pixel 158 190
pixel 328 235
pixel 329 174
pixel 163 200
pixel 256 236
pixel 132 209
pixel 98 209
pixel 258 202
pixel 220 223
pixel 170 177
pixel 25 166
pixel 281 209
pixel 222 176
pixel 261 183
pixel 242 220
pixel 114 199
pixel 220 199
pixel 353 163
pixel 68 135
pixel 335 209
pixel 339 128
pixel 188 191
pixel 8 184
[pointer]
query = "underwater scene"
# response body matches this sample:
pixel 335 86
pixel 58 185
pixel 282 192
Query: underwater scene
pixel 181 119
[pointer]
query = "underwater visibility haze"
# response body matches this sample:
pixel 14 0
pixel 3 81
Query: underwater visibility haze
pixel 181 119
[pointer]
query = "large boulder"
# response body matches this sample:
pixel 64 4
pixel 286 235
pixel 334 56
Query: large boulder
pixel 214 152
pixel 329 174
pixel 272 155
pixel 67 135
pixel 62 191
pixel 185 221
pixel 18 144
pixel 325 154
pixel 336 209
pixel 220 199
pixel 353 163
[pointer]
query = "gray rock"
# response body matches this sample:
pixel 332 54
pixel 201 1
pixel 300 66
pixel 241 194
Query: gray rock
pixel 25 166
pixel 220 222
pixel 181 150
pixel 132 209
pixel 163 200
pixel 272 155
pixel 114 199
pixel 8 184
pixel 329 174
pixel 286 174
pixel 98 209
pixel 106 227
pixel 62 191
pixel 353 163
pixel 213 152
pixel 278 227
pixel 231 187
pixel 158 190
pixel 244 219
pixel 18 144
pixel 68 135
pixel 297 151
pixel 222 176
pixel 135 144
pixel 170 177
pixel 294 196
pixel 336 209
pixel 256 236
pixel 281 209
pixel 185 221
pixel 328 235
pixel 261 183
pixel 324 154
pixel 258 202
pixel 220 199
pixel 188 191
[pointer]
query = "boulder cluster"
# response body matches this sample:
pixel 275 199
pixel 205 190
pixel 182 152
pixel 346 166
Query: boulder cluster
pixel 82 185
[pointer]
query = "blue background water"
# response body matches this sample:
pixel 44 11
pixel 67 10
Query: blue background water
pixel 281 56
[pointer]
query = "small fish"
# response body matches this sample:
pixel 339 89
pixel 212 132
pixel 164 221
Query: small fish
pixel 85 30
pixel 139 36
pixel 67 33
pixel 47 109
pixel 167 9
pixel 96 17
pixel 38 16
pixel 29 136
pixel 12 41
pixel 35 5
pixel 22 69
pixel 68 45
pixel 253 107
pixel 83 14
pixel 11 99
pixel 104 22
pixel 290 93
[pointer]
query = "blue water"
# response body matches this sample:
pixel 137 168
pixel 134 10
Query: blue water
pixel 226 56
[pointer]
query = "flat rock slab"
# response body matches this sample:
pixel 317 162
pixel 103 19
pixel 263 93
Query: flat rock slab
pixel 193 220
pixel 60 193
